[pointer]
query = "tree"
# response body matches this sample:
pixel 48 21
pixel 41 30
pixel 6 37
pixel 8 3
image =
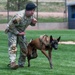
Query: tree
pixel 16 5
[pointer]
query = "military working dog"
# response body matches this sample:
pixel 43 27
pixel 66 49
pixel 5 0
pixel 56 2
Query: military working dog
pixel 42 43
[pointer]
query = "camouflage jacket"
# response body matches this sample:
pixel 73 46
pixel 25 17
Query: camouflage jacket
pixel 19 23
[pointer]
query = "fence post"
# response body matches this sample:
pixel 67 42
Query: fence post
pixel 37 14
pixel 7 10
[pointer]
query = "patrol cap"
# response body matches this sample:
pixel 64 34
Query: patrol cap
pixel 30 6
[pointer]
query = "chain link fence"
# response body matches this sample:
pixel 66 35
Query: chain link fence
pixel 9 7
pixel 47 11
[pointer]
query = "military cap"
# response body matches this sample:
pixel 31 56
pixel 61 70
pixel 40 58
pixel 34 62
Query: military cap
pixel 30 6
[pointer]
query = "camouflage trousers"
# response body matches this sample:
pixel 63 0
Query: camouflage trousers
pixel 13 41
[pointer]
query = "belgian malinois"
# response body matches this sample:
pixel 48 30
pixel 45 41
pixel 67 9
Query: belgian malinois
pixel 42 43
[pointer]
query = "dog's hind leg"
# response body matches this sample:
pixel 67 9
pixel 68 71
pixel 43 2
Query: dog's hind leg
pixel 28 63
pixel 31 56
pixel 28 58
pixel 34 53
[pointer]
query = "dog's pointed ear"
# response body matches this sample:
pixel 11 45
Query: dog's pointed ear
pixel 58 39
pixel 51 38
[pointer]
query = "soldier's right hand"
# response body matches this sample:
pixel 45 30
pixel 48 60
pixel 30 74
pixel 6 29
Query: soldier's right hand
pixel 21 33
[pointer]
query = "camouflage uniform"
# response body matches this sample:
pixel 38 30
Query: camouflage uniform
pixel 19 23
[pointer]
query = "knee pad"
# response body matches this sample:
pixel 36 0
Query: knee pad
pixel 13 49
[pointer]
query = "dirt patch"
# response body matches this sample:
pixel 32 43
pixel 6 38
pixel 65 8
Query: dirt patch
pixel 40 14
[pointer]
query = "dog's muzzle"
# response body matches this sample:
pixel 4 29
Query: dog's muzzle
pixel 55 48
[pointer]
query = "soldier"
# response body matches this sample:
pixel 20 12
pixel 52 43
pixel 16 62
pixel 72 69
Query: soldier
pixel 16 30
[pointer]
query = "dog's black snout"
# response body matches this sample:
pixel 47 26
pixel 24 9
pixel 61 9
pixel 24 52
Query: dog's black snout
pixel 55 48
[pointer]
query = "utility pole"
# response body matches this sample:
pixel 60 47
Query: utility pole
pixel 65 10
pixel 37 8
pixel 65 6
pixel 7 10
pixel 37 13
pixel 18 4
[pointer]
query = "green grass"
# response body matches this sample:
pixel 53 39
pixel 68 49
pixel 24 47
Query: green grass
pixel 40 20
pixel 65 34
pixel 63 58
pixel 52 19
pixel 3 21
pixel 51 6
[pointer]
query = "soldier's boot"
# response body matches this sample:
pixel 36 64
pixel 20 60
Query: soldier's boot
pixel 13 66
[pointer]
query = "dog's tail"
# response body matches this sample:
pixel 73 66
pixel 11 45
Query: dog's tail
pixel 30 40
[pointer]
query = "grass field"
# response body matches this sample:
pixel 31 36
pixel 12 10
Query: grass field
pixel 40 20
pixel 63 59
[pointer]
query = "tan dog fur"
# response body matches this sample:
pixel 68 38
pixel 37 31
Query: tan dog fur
pixel 42 43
